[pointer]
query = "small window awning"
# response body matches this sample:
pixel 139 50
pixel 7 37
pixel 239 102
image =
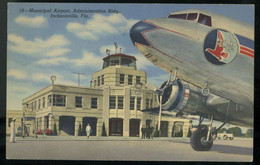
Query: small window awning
pixel 29 118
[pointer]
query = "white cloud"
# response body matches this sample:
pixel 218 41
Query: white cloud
pixel 17 74
pixel 53 46
pixel 100 26
pixel 45 77
pixel 34 22
pixel 58 52
pixel 88 59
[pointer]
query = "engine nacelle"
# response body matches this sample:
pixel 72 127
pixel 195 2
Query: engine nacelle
pixel 184 97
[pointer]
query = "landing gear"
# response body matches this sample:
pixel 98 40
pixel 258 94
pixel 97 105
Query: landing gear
pixel 202 139
pixel 199 141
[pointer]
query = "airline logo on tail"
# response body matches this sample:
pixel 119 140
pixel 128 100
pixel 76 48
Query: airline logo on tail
pixel 220 47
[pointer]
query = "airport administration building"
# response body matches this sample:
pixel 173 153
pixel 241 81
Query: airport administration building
pixel 115 99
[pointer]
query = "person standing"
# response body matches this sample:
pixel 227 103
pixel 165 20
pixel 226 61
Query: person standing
pixel 12 131
pixel 143 132
pixel 88 130
pixel 152 133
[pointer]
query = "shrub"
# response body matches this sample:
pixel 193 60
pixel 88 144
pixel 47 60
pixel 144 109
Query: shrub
pixel 47 131
pixel 80 130
pixel 39 132
pixel 54 132
pixel 104 133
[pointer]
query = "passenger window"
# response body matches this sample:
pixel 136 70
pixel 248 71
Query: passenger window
pixel 192 16
pixel 204 19
pixel 179 16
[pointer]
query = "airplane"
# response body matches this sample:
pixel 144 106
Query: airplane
pixel 211 59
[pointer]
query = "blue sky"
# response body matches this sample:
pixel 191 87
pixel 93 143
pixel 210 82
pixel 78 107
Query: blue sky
pixel 40 46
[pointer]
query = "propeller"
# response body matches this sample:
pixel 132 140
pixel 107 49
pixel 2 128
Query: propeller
pixel 159 92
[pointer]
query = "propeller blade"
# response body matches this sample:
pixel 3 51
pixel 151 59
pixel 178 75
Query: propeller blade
pixel 160 113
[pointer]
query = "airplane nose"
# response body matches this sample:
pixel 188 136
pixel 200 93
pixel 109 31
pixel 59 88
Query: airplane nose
pixel 137 32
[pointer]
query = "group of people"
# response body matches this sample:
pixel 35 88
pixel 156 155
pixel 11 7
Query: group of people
pixel 147 132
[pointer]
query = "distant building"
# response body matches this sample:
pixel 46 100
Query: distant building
pixel 116 97
pixel 18 114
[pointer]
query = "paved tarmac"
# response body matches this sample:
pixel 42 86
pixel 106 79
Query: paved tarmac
pixel 126 149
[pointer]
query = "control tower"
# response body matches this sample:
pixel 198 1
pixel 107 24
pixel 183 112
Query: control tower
pixel 118 70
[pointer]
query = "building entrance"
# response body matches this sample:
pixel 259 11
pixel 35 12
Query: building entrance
pixel 134 127
pixel 92 121
pixel 116 127
pixel 67 124
pixel 164 128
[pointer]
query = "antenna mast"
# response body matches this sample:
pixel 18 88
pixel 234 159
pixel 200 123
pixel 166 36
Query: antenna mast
pixel 78 76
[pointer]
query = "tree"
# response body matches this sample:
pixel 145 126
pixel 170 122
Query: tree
pixel 222 130
pixel 249 133
pixel 236 131
pixel 104 133
pixel 55 129
pixel 80 130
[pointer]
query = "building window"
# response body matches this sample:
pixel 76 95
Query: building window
pixel 43 102
pixel 132 103
pixel 138 79
pixel 120 103
pixel 122 78
pixel 35 102
pixel 151 103
pixel 39 104
pixel 95 83
pixel 112 102
pixel 98 81
pixel 138 103
pixel 49 100
pixel 130 79
pixel 59 100
pixel 32 106
pixel 102 80
pixel 78 101
pixel 147 103
pixel 94 103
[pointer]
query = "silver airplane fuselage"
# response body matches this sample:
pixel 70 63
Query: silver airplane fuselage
pixel 219 54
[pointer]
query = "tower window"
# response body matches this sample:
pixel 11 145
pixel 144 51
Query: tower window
pixel 94 103
pixel 78 102
pixel 132 103
pixel 102 80
pixel 122 78
pixel 138 103
pixel 138 79
pixel 120 103
pixel 112 102
pixel 130 79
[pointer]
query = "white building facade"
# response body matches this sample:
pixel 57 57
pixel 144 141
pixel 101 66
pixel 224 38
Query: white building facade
pixel 116 99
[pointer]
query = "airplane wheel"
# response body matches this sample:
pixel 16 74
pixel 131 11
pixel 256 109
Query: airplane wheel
pixel 198 140
pixel 225 137
pixel 231 138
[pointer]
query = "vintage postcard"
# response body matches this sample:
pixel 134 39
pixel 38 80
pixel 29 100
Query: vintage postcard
pixel 130 82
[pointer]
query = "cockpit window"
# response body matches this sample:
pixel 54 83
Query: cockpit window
pixel 192 16
pixel 205 20
pixel 179 16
